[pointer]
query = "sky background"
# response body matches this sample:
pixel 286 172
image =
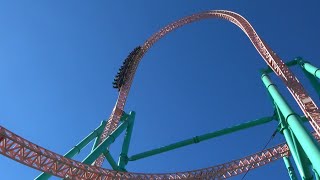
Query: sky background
pixel 58 60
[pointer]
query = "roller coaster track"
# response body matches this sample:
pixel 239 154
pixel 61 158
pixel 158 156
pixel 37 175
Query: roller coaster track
pixel 23 151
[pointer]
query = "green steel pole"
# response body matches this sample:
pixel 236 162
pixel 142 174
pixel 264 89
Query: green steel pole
pixel 311 76
pixel 111 161
pixel 303 157
pixel 310 68
pixel 102 147
pixel 290 169
pixel 77 148
pixel 310 147
pixel 302 170
pixel 123 159
pixel 316 175
pixel 96 141
pixel 296 154
pixel 200 138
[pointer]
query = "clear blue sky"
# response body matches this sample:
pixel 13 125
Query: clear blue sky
pixel 58 59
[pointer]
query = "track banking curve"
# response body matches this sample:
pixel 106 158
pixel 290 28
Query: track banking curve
pixel 25 152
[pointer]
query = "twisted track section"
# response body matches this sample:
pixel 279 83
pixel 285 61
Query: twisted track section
pixel 23 151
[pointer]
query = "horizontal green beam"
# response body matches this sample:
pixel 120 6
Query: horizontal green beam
pixel 289 64
pixel 200 138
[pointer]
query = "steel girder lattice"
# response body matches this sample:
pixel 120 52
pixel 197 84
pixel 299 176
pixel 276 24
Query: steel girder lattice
pixel 28 153
pixel 25 152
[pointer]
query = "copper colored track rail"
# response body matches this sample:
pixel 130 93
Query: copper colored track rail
pixel 25 152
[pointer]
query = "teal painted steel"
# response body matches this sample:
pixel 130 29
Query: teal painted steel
pixel 77 148
pixel 302 170
pixel 102 147
pixel 97 139
pixel 111 161
pixel 316 175
pixel 123 159
pixel 200 138
pixel 290 169
pixel 293 149
pixel 308 143
pixel 306 165
pixel 311 76
pixel 311 69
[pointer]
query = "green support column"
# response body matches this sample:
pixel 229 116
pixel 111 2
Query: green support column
pixel 102 147
pixel 111 161
pixel 200 138
pixel 310 68
pixel 316 175
pixel 299 156
pixel 303 171
pixel 77 148
pixel 290 169
pixel 123 159
pixel 310 147
pixel 97 140
pixel 310 72
pixel 302 157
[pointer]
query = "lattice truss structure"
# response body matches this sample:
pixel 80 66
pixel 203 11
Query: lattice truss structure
pixel 30 154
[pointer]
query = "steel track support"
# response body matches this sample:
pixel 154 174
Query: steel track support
pixel 308 143
pixel 309 67
pixel 310 72
pixel 299 160
pixel 123 159
pixel 289 167
pixel 316 175
pixel 111 161
pixel 97 140
pixel 103 146
pixel 200 138
pixel 303 157
pixel 77 148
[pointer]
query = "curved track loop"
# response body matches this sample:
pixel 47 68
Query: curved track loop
pixel 305 102
pixel 25 152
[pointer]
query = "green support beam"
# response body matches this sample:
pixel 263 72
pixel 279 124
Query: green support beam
pixel 200 138
pixel 311 73
pixel 306 165
pixel 111 161
pixel 296 154
pixel 316 175
pixel 97 140
pixel 310 147
pixel 77 148
pixel 309 68
pixel 290 169
pixel 102 147
pixel 123 159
